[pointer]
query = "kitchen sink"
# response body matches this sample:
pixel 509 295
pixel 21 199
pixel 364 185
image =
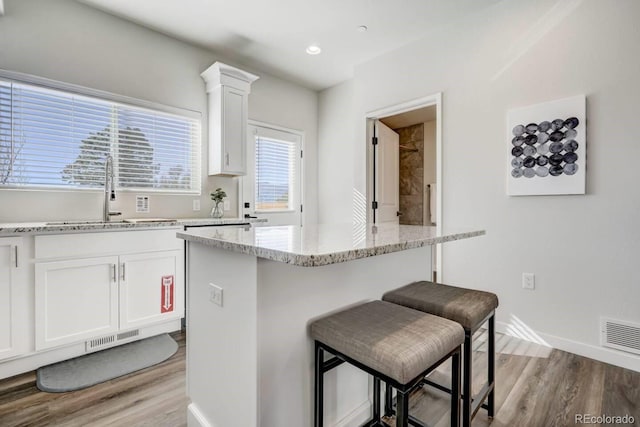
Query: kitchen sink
pixel 147 220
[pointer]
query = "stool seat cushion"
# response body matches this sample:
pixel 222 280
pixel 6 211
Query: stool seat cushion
pixel 396 341
pixel 465 306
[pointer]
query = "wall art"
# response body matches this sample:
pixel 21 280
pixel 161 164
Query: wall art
pixel 547 145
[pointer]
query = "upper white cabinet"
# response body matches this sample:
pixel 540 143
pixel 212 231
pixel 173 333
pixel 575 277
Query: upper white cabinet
pixel 14 292
pixel 228 89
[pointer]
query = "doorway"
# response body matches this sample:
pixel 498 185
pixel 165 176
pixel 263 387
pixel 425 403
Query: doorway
pixel 411 133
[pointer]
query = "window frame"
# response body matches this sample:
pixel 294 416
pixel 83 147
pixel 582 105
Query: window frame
pixel 115 100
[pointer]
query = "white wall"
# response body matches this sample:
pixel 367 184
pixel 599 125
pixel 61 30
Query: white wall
pixel 336 155
pixel 583 249
pixel 73 43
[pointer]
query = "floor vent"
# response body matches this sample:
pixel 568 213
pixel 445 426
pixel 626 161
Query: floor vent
pixel 100 342
pixel 129 334
pixel 620 335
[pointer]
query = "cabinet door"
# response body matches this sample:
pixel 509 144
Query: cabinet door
pixel 75 300
pixel 151 288
pixel 13 298
pixel 234 128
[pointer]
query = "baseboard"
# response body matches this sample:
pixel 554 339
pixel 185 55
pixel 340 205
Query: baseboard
pixel 602 354
pixel 357 417
pixel 34 360
pixel 195 417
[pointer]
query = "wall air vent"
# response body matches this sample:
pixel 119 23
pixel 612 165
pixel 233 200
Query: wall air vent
pixel 100 342
pixel 619 334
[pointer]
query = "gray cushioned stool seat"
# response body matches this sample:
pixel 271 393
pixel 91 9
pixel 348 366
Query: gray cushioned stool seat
pixel 465 306
pixel 396 341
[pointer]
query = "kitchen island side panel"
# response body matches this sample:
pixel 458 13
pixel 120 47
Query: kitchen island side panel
pixel 222 356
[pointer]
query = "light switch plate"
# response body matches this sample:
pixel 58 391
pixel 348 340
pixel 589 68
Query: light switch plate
pixel 227 205
pixel 215 294
pixel 196 204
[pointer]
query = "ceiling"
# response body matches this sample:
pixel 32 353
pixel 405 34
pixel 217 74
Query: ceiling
pixel 410 118
pixel 272 35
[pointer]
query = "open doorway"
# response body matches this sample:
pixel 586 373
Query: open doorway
pixel 404 167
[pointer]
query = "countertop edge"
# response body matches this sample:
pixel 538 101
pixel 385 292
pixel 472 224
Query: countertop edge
pixel 32 228
pixel 319 260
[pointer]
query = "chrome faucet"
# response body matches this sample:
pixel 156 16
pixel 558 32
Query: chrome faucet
pixel 109 190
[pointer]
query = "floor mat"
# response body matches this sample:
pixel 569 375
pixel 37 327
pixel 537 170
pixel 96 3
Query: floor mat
pixel 95 368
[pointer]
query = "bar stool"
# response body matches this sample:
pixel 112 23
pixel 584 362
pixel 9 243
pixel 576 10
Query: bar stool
pixel 392 343
pixel 470 308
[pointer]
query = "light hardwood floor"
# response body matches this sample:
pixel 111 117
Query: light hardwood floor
pixel 536 387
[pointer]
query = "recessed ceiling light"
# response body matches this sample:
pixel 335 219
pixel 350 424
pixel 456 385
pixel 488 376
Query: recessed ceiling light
pixel 362 28
pixel 313 49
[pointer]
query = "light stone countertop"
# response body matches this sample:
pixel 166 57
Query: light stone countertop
pixel 80 226
pixel 317 245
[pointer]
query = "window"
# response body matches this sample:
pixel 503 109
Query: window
pixel 275 174
pixel 272 188
pixel 51 138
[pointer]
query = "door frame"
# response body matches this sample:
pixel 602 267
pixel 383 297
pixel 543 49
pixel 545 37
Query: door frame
pixel 301 134
pixel 403 107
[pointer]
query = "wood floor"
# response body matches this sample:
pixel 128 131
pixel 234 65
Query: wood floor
pixel 152 397
pixel 536 387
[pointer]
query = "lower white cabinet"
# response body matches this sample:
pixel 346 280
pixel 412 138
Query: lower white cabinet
pixel 79 299
pixel 148 288
pixel 75 300
pixel 13 298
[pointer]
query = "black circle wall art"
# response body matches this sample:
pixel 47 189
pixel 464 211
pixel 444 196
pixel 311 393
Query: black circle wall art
pixel 545 150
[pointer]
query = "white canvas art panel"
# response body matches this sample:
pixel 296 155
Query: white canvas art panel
pixel 547 146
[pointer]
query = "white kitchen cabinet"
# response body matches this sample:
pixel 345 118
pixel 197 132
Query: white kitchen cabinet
pixel 148 291
pixel 13 298
pixel 75 300
pixel 105 287
pixel 228 89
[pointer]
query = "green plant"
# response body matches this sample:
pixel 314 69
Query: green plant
pixel 218 195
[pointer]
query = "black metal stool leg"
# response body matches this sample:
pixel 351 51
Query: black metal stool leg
pixel 402 409
pixel 319 386
pixel 492 366
pixel 455 389
pixel 467 398
pixel 388 401
pixel 376 399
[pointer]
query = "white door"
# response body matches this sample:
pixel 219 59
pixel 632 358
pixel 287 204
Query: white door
pixel 151 288
pixel 14 299
pixel 387 174
pixel 75 300
pixel 272 188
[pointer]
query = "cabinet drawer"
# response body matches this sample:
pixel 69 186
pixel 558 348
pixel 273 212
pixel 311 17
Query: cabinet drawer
pixel 95 244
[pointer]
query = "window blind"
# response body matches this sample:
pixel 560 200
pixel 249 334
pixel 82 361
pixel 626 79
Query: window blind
pixel 275 174
pixel 56 139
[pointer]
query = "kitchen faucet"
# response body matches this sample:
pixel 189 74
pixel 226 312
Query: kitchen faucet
pixel 109 190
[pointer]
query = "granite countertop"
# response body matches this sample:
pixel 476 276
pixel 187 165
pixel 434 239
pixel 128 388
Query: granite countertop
pixel 316 245
pixel 80 226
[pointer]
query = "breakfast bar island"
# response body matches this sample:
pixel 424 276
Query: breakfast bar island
pixel 251 293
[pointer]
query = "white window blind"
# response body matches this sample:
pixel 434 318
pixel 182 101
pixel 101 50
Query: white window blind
pixel 275 174
pixel 55 139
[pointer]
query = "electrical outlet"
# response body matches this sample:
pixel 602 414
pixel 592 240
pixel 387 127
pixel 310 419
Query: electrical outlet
pixel 227 205
pixel 196 204
pixel 528 281
pixel 215 294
